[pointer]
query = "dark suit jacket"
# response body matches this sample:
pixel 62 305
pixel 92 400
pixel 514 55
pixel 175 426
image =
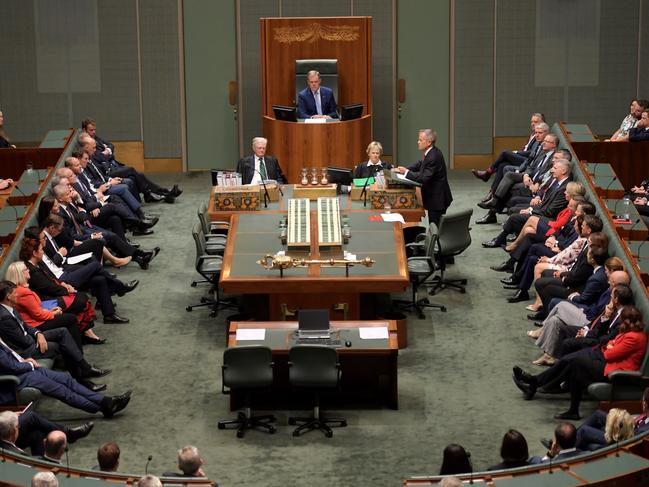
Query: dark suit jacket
pixel 246 167
pixel 43 283
pixel 431 173
pixel 595 287
pixel 638 134
pixel 10 365
pixel 581 270
pixel 23 342
pixel 306 103
pixel 553 202
pixel 365 171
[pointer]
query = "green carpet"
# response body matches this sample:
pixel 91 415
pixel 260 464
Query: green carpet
pixel 454 378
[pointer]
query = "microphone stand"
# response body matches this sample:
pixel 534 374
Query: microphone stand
pixel 146 467
pixel 367 180
pixel 266 195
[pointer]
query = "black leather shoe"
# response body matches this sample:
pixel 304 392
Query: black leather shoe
pixel 491 244
pixel 116 404
pixel 143 259
pixel 487 197
pixel 568 415
pixel 484 175
pixel 95 372
pixel 538 324
pixel 151 222
pixel 528 389
pixel 547 443
pixel 137 232
pixel 522 376
pixel 156 251
pixel 538 316
pixel 176 191
pixel 128 287
pixel 88 384
pixel 170 198
pixel 115 319
pixel 511 280
pixel 488 218
pixel 490 204
pixel 507 266
pixel 510 287
pixel 518 296
pixel 153 198
pixel 78 432
pixel 92 340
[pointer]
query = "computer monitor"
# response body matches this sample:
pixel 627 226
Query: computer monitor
pixel 351 112
pixel 285 113
pixel 313 320
pixel 340 175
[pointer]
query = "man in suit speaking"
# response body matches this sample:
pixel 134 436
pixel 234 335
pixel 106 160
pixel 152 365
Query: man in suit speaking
pixel 316 101
pixel 259 166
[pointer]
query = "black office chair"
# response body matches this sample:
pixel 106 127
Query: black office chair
pixel 214 242
pixel 218 227
pixel 314 367
pixel 246 370
pixel 209 267
pixel 328 69
pixel 453 238
pixel 420 268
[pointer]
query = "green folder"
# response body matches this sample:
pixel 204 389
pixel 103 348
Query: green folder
pixel 360 182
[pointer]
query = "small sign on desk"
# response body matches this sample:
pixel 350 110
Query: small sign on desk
pixel 251 334
pixel 373 333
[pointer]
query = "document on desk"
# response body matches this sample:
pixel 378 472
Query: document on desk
pixel 392 217
pixel 315 120
pixel 79 258
pixel 250 334
pixel 373 332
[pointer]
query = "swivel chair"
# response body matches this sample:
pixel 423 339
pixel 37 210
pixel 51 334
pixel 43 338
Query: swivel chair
pixel 453 238
pixel 316 368
pixel 214 242
pixel 420 269
pixel 246 370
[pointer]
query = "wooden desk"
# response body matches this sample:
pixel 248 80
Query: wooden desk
pixel 369 367
pixel 345 201
pixel 272 297
pixel 626 158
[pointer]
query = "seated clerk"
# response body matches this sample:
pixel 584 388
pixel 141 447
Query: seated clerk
pixel 316 101
pixel 374 164
pixel 59 385
pixel 31 309
pixel 641 130
pixel 104 158
pixel 45 281
pixel 80 228
pixel 580 369
pixel 30 342
pixel 259 165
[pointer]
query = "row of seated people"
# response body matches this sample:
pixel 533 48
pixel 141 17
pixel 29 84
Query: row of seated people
pixel 48 479
pixel 46 310
pixel 601 429
pixel 587 324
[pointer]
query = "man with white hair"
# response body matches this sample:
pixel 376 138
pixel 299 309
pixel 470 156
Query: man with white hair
pixel 190 463
pixel 45 479
pixel 259 166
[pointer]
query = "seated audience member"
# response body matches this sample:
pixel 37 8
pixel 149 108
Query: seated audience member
pixel 4 142
pixel 513 451
pixel 563 443
pixel 630 121
pixel 316 101
pixel 31 343
pixel 56 444
pixel 580 369
pixel 456 460
pixel 641 130
pixel 149 481
pixel 259 166
pixel 105 156
pixel 108 457
pixel 568 317
pixel 29 429
pixel 59 385
pixel 601 429
pixel 513 158
pixel 450 482
pixel 374 164
pixel 45 479
pixel 550 206
pixel 190 463
pixel 32 311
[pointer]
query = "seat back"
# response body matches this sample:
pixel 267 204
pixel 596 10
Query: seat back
pixel 644 367
pixel 328 69
pixel 313 366
pixel 202 210
pixel 199 241
pixel 249 367
pixel 454 235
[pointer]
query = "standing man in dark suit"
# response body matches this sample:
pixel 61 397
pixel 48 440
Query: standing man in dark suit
pixel 259 166
pixel 316 101
pixel 430 172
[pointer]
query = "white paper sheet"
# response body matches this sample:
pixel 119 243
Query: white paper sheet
pixel 78 258
pixel 257 334
pixel 373 332
pixel 392 217
pixel 315 120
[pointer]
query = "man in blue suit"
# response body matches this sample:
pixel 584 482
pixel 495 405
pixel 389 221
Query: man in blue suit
pixel 316 101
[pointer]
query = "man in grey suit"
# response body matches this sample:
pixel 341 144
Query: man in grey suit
pixel 259 166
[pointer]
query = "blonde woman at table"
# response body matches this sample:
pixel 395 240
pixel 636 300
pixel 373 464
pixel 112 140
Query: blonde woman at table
pixel 374 164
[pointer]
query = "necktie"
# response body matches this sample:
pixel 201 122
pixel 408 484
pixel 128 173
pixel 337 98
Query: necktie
pixel 318 103
pixel 262 169
pixel 74 221
pixel 97 171
pixel 15 355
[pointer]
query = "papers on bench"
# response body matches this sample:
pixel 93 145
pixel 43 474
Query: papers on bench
pixel 392 217
pixel 79 258
pixel 249 334
pixel 373 332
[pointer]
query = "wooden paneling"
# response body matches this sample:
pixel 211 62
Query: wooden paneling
pixel 508 143
pixel 479 161
pixel 130 153
pixel 163 165
pixel 628 159
pixel 348 39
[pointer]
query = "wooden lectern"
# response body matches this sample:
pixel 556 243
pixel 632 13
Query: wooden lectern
pixel 298 145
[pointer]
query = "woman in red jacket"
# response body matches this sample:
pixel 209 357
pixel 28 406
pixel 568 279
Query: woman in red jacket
pixel 45 315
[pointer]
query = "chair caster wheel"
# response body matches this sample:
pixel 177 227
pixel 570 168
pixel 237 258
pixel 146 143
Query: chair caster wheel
pixel 221 426
pixel 239 434
pixel 343 423
pixel 463 282
pixel 462 291
pixel 425 300
pixel 193 284
pixel 291 421
pixel 295 433
pixel 188 308
pixel 203 300
pixel 213 314
pixel 329 434
pixel 421 316
pixel 444 309
pixel 272 430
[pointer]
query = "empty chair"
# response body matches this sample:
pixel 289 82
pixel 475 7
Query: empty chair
pixel 246 370
pixel 214 242
pixel 315 368
pixel 453 238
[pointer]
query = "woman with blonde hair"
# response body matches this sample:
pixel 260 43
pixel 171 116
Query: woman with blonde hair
pixel 374 164
pixel 619 426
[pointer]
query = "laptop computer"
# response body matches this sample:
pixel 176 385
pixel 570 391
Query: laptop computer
pixel 313 323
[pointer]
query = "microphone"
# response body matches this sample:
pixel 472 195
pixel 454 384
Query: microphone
pixel 609 184
pixel 640 248
pixel 67 462
pixel 633 226
pixel 146 467
pixel 19 190
pixel 266 195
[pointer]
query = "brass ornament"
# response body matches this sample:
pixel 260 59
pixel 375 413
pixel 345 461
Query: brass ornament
pixel 315 31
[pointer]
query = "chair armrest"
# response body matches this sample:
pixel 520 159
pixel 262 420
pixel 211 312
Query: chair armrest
pixel 628 377
pixel 10 378
pixel 204 257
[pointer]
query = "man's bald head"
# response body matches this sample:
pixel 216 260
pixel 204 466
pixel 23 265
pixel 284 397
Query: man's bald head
pixel 619 277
